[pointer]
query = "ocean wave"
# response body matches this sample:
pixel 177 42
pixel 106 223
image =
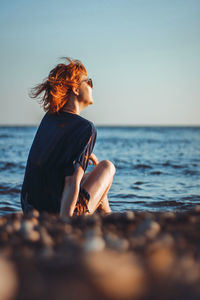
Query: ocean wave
pixel 190 172
pixel 7 190
pixel 10 165
pixel 192 198
pixel 156 173
pixel 7 208
pixel 167 203
pixel 124 196
pixel 136 188
pixel 142 166
pixel 175 166
pixel 4 136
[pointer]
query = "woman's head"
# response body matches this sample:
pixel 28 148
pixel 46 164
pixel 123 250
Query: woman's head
pixel 62 81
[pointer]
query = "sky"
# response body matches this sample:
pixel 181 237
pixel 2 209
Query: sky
pixel 143 57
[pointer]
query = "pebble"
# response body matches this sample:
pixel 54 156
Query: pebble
pixel 8 280
pixel 166 240
pixel 16 225
pixel 9 228
pixel 65 219
pixel 130 216
pixel 115 275
pixel 67 228
pixel 34 213
pixel 116 243
pixel 28 232
pixel 190 271
pixel 95 243
pixel 46 239
pixel 26 226
pixel 93 240
pixel 197 208
pixel 160 259
pixel 46 252
pixel 3 221
pixel 149 228
pixel 169 215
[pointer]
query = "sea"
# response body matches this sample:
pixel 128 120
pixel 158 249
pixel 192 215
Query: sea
pixel 157 168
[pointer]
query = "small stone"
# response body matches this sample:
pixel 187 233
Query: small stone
pixel 28 232
pixel 33 236
pixel 35 221
pixel 93 240
pixel 169 215
pixel 18 215
pixel 113 217
pixel 45 237
pixel 65 219
pixel 46 252
pixel 34 213
pixel 3 221
pixel 137 241
pixel 93 220
pixel 26 226
pixel 166 240
pixel 8 280
pixel 93 232
pixel 68 228
pixel 161 259
pixel 116 243
pixel 27 252
pixel 193 219
pixel 190 270
pixel 94 244
pixel 4 236
pixel 197 208
pixel 115 275
pixel 9 228
pixel 148 228
pixel 16 225
pixel 130 215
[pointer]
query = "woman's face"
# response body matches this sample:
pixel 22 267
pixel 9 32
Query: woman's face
pixel 85 91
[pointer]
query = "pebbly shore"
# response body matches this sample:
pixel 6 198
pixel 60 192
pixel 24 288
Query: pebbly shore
pixel 122 256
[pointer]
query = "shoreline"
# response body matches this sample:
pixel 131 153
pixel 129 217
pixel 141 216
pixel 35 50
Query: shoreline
pixel 128 255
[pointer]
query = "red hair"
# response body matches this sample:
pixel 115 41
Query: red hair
pixel 58 85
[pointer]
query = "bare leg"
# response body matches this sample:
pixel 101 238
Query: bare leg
pixel 97 183
pixel 104 205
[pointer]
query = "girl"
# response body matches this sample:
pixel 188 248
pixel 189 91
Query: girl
pixel 55 180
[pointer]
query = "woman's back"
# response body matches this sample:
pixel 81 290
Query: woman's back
pixel 61 142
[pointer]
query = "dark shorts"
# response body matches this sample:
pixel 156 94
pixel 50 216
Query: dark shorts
pixel 26 206
pixel 81 206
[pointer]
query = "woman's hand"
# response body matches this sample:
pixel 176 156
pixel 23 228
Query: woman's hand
pixel 94 159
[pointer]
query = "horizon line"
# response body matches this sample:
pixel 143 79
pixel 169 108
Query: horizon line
pixel 112 125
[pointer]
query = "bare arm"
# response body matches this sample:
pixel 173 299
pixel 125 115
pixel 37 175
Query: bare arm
pixel 71 192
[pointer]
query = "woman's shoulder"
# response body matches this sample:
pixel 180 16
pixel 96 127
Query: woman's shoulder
pixel 88 123
pixel 75 120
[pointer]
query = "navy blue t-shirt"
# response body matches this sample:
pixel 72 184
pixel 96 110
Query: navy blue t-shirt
pixel 62 142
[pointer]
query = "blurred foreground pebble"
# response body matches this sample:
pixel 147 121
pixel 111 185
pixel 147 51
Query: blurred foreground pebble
pixel 122 256
pixel 8 280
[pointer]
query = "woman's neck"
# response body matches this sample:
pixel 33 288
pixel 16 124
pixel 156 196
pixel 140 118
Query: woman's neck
pixel 69 111
pixel 71 108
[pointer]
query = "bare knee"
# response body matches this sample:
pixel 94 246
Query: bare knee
pixel 107 164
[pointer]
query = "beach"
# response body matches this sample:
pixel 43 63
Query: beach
pixel 127 255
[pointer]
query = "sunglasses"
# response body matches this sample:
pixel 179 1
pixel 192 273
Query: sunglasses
pixel 89 82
